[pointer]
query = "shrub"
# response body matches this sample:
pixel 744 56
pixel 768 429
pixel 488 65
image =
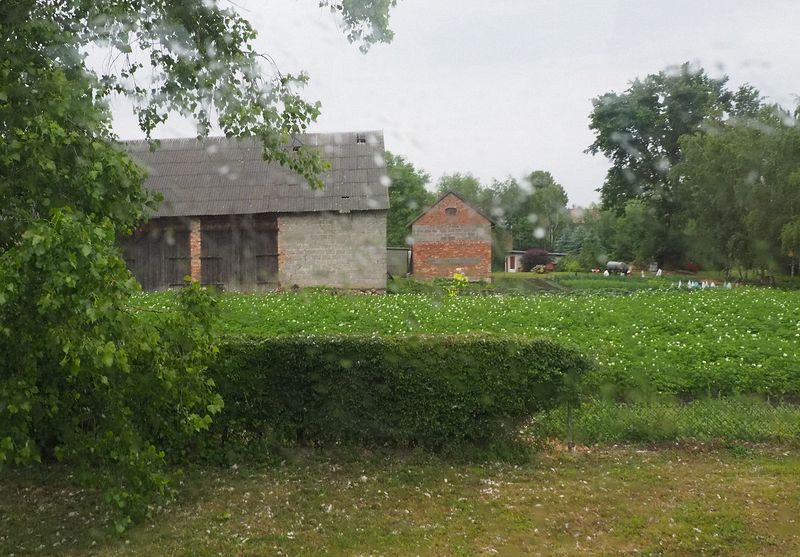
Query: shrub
pixel 534 257
pixel 570 264
pixel 85 380
pixel 429 391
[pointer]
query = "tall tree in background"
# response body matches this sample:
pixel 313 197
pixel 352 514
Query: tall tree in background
pixel 639 131
pixel 467 186
pixel 534 212
pixel 741 187
pixel 548 207
pixel 407 198
pixel 510 206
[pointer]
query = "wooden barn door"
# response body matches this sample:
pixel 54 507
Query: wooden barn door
pixel 239 253
pixel 158 255
pixel 264 246
pixel 215 248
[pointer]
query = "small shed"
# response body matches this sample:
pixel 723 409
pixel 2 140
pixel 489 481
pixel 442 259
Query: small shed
pixel 452 236
pixel 514 260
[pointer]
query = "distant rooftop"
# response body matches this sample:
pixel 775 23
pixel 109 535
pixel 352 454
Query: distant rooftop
pixel 220 176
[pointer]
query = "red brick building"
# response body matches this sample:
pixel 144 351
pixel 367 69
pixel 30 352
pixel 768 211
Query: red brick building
pixel 452 236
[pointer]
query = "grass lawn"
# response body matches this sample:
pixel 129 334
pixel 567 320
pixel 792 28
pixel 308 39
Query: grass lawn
pixel 680 500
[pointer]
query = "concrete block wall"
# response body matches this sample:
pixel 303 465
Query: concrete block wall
pixel 451 236
pixel 332 249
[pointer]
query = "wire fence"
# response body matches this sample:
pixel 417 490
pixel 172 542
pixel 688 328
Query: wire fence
pixel 707 420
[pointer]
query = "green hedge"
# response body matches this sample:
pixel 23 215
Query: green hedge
pixel 430 391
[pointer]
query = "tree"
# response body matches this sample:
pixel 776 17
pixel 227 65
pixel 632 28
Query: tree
pixel 636 233
pixel 549 205
pixel 84 378
pixel 534 212
pixel 509 204
pixel 740 185
pixel 639 131
pixel 467 186
pixel 790 241
pixel 407 197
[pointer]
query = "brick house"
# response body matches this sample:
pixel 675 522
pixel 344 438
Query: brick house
pixel 452 236
pixel 232 220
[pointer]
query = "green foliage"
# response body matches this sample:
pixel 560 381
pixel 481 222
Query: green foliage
pixel 87 381
pixel 465 185
pixel 790 242
pixel 548 204
pixel 741 184
pixel 638 232
pixel 438 287
pixel 366 22
pixel 429 391
pixel 570 265
pixel 84 378
pixel 534 213
pixel 658 421
pixel 407 198
pixel 686 343
pixel 640 132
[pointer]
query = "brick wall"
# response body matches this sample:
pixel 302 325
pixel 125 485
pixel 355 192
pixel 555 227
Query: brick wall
pixel 195 249
pixel 333 249
pixel 452 236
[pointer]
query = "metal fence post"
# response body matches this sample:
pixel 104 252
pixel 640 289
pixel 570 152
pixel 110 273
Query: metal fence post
pixel 570 440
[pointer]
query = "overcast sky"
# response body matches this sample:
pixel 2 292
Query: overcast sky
pixel 504 87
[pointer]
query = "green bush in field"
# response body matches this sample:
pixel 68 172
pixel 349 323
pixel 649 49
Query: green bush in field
pixel 87 381
pixel 429 391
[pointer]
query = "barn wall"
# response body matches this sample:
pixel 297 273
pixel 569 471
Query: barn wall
pixel 344 250
pixel 444 244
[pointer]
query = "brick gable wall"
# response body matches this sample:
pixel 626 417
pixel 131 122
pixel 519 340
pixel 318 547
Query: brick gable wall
pixel 446 243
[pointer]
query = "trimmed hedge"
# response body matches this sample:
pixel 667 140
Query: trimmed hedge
pixel 430 391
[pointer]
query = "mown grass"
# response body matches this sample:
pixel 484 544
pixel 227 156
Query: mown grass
pixel 740 499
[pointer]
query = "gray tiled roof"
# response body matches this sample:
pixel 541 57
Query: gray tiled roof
pixel 219 176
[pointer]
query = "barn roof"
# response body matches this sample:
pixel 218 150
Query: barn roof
pixel 220 176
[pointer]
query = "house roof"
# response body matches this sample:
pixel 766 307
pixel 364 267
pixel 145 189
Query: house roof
pixel 467 203
pixel 220 176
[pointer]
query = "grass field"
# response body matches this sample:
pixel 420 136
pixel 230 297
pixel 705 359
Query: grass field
pixel 734 498
pixel 711 342
pixel 739 499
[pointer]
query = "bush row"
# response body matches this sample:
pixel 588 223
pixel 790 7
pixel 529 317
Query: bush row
pixel 430 391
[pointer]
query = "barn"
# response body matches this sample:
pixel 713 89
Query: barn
pixel 452 236
pixel 232 220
